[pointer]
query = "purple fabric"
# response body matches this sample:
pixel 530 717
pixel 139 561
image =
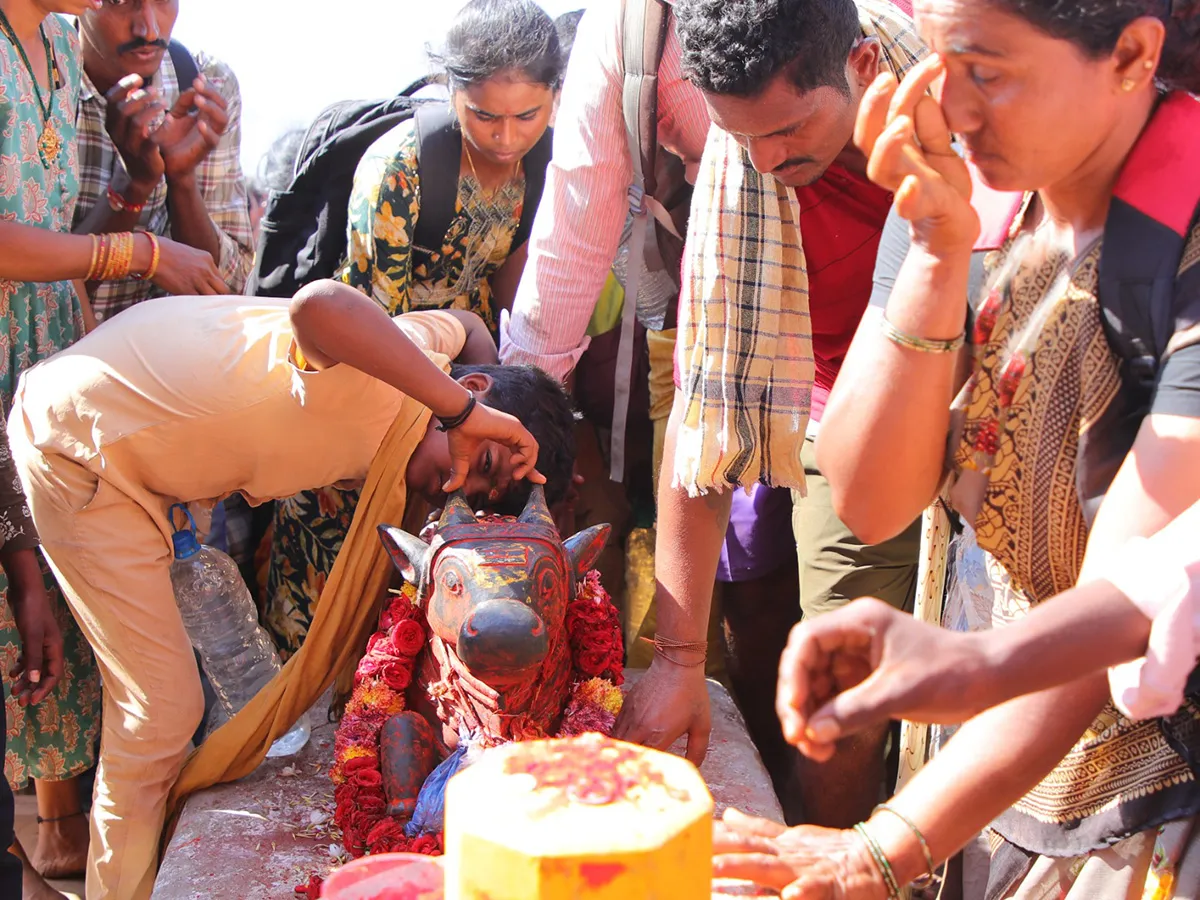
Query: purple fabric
pixel 759 539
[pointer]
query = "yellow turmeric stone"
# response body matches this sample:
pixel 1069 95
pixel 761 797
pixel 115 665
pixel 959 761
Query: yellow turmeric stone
pixel 586 818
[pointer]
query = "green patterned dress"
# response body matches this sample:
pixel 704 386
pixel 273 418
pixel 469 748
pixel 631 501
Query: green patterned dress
pixel 308 529
pixel 56 739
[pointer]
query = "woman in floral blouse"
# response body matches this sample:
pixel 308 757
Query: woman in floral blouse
pixel 504 67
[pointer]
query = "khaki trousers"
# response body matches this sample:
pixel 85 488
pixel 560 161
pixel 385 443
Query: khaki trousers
pixel 113 563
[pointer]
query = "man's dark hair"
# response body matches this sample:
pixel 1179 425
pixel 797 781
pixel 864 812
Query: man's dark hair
pixel 567 26
pixel 737 47
pixel 543 407
pixel 491 37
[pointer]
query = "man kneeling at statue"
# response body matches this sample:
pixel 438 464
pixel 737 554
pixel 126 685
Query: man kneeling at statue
pixel 188 400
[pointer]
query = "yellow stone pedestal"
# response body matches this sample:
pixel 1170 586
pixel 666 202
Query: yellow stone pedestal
pixel 586 818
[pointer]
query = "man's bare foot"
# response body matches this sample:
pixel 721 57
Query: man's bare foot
pixel 62 847
pixel 33 885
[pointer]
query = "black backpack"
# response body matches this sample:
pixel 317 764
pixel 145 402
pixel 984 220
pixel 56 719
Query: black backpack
pixel 304 229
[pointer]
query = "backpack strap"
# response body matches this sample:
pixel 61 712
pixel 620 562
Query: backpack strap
pixel 534 164
pixel 1155 202
pixel 186 70
pixel 643 39
pixel 439 157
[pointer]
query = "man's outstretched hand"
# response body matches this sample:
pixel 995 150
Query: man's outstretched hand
pixel 868 662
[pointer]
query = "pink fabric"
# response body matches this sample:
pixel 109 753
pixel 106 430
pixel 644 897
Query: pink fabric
pixel 1161 576
pixel 578 227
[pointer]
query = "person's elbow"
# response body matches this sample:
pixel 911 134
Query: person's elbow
pixel 318 299
pixel 862 509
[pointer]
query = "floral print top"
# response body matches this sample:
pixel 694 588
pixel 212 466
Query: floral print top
pixel 384 207
pixel 37 320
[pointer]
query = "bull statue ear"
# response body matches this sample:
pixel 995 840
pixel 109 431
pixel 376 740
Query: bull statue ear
pixel 410 554
pixel 457 511
pixel 585 548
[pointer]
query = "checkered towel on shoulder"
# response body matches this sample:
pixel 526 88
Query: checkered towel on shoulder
pixel 745 337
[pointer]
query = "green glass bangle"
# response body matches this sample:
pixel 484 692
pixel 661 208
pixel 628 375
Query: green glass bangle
pixel 929 863
pixel 881 861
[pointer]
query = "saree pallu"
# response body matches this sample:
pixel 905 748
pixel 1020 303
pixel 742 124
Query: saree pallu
pixel 1044 379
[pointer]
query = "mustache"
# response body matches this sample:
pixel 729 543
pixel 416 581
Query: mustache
pixel 794 163
pixel 138 44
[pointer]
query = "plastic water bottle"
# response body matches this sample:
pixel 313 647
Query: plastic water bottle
pixel 222 622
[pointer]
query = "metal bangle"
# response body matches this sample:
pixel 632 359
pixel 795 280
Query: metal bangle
pixel 931 866
pixel 920 344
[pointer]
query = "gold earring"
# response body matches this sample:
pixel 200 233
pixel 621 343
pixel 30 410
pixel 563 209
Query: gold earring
pixel 1149 64
pixel 1128 85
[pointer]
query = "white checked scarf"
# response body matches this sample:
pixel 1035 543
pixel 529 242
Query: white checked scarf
pixel 745 337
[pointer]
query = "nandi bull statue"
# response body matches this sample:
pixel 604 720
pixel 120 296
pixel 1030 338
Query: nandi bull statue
pixel 497 665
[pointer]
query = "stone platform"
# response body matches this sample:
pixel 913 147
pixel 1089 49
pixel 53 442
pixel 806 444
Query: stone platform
pixel 258 838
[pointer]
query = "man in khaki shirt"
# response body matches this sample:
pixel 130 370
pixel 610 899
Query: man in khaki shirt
pixel 192 399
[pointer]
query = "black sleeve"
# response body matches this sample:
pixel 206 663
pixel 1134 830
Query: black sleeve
pixel 893 247
pixel 1178 392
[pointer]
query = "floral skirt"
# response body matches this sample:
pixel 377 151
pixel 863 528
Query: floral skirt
pixel 305 539
pixel 56 739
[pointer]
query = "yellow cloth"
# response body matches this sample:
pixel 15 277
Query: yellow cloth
pixel 607 314
pixel 746 368
pixel 336 639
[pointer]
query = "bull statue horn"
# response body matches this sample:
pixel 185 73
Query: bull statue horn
pixel 536 512
pixel 457 511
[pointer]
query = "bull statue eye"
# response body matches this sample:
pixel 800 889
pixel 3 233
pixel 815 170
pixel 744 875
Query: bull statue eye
pixel 452 583
pixel 547 583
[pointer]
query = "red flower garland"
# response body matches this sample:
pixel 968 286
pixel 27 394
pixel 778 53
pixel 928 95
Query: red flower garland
pixel 386 671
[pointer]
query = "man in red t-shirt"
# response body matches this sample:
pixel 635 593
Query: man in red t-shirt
pixel 784 78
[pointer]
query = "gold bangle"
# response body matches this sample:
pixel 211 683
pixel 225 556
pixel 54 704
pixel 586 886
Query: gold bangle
pixel 101 259
pixel 124 256
pixel 154 257
pixel 91 272
pixel 920 344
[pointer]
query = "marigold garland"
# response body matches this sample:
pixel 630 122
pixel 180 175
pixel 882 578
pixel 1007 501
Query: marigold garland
pixel 387 670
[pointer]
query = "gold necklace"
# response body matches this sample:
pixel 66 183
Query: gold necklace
pixel 50 143
pixel 482 189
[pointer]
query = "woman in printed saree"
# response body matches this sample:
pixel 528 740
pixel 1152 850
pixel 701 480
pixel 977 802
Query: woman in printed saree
pixel 504 66
pixel 1076 105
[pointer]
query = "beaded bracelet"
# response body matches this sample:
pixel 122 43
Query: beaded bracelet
pixel 119 204
pixel 922 345
pixel 881 861
pixel 924 880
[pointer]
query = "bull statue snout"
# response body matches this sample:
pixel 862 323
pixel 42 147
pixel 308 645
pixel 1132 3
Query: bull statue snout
pixel 502 641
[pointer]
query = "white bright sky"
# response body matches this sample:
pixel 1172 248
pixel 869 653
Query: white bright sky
pixel 293 64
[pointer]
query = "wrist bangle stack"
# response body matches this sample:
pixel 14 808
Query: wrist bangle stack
pixel 456 421
pixel 931 875
pixel 920 344
pixel 112 257
pixel 881 861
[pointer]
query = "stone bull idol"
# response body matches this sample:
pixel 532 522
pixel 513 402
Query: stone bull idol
pixel 497 666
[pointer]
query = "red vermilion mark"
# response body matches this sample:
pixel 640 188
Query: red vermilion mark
pixel 597 875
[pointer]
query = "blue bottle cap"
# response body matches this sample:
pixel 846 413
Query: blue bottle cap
pixel 185 540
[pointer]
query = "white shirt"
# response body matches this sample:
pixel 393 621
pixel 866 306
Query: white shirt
pixel 578 226
pixel 1161 576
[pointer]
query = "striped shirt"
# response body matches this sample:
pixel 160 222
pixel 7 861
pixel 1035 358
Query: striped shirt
pixel 578 226
pixel 219 178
